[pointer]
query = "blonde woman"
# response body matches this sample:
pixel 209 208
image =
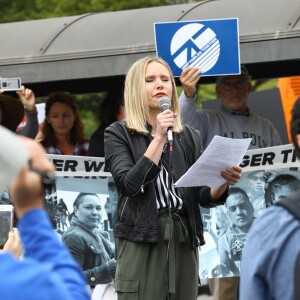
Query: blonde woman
pixel 158 226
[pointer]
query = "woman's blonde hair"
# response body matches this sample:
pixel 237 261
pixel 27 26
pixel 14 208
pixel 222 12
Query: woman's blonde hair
pixel 135 96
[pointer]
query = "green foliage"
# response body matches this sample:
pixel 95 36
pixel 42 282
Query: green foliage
pixel 89 109
pixel 90 122
pixel 267 85
pixel 20 10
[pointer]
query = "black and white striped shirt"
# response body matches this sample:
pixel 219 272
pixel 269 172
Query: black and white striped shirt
pixel 162 191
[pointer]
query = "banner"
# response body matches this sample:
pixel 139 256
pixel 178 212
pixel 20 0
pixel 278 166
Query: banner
pixel 268 175
pixel 88 223
pixel 210 45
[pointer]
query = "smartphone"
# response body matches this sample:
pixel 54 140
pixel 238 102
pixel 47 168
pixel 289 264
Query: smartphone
pixel 6 223
pixel 10 84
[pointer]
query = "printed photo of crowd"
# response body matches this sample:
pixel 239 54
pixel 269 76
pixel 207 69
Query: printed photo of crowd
pixel 226 226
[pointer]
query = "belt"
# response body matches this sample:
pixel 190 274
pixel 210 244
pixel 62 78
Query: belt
pixel 179 233
pixel 174 211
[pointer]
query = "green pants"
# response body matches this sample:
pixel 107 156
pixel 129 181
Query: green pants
pixel 142 267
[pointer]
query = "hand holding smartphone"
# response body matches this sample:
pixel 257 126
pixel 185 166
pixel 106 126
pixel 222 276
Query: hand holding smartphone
pixel 6 223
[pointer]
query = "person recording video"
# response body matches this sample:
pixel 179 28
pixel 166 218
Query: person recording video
pixel 47 270
pixel 157 224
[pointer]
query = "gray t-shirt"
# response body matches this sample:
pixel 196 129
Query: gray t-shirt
pixel 223 122
pixel 270 256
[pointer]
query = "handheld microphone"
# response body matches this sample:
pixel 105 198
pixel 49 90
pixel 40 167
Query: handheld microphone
pixel 165 103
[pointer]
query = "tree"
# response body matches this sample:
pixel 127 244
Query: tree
pixel 20 10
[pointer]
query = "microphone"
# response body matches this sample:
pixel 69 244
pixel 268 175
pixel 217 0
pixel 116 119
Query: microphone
pixel 165 103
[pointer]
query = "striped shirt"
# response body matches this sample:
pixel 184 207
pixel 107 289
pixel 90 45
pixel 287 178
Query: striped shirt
pixel 164 193
pixel 80 149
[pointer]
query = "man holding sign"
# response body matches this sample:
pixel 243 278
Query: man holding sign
pixel 232 119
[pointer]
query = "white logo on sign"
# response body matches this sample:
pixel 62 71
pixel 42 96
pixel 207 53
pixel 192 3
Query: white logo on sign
pixel 195 45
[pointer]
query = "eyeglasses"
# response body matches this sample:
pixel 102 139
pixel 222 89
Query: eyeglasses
pixel 237 85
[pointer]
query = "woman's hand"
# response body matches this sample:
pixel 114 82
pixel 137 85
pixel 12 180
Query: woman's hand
pixel 165 120
pixel 232 175
pixel 27 98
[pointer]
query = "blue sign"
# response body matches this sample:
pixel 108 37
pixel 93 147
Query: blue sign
pixel 212 45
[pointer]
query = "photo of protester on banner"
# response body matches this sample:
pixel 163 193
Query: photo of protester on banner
pixel 256 181
pixel 61 196
pixel 270 175
pixel 50 202
pixel 280 185
pixel 82 209
pixel 240 214
pixel 87 239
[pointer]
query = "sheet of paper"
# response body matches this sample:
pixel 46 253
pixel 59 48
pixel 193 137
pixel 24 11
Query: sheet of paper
pixel 220 154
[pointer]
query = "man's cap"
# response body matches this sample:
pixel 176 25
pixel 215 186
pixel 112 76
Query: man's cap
pixel 12 112
pixel 244 71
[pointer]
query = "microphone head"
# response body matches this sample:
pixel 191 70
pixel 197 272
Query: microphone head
pixel 164 103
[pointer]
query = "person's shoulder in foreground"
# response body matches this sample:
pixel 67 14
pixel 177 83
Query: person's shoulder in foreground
pixel 270 255
pixel 48 270
pixel 272 252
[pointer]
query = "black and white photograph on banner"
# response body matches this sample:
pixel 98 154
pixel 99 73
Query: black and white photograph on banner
pixel 60 198
pixel 88 209
pixel 268 175
pixel 226 226
pixel 82 209
pixel 83 214
pixel 50 203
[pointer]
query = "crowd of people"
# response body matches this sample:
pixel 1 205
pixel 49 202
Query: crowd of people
pixel 158 228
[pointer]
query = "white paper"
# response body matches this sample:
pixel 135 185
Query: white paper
pixel 220 154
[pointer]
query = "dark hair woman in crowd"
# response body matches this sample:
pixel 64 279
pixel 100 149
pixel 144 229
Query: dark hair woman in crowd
pixel 63 128
pixel 159 227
